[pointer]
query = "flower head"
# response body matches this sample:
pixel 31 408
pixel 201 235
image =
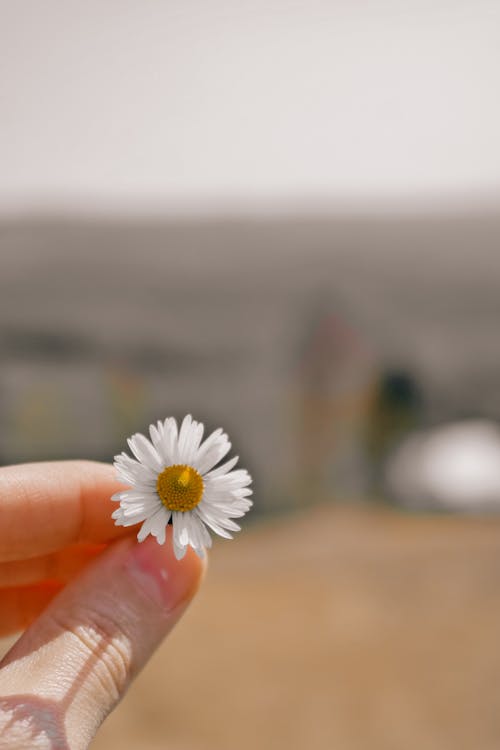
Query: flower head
pixel 172 479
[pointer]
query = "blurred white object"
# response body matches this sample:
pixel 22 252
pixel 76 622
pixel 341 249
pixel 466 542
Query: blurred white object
pixel 454 467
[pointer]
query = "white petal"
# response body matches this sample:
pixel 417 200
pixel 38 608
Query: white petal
pixel 220 517
pixel 132 470
pixel 205 536
pixel 147 488
pixel 189 447
pixel 224 497
pixel 213 455
pixel 156 432
pixel 209 521
pixel 195 529
pixel 235 479
pixel 124 476
pixel 227 511
pixel 160 526
pixel 188 535
pixel 178 528
pixel 134 494
pixel 184 438
pixel 133 511
pixel 129 520
pixel 212 439
pixel 224 469
pixel 179 551
pixel 145 452
pixel 243 492
pixel 146 527
pixel 169 443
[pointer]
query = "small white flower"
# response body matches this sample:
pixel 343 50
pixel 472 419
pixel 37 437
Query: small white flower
pixel 173 478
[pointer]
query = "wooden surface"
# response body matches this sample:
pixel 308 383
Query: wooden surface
pixel 347 630
pixel 334 629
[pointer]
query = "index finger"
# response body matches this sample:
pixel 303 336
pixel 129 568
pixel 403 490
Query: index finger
pixel 46 506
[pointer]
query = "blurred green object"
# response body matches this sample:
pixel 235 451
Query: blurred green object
pixel 395 411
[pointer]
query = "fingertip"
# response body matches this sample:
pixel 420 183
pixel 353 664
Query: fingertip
pixel 169 581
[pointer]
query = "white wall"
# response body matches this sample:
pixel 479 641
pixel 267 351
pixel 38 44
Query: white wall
pixel 197 103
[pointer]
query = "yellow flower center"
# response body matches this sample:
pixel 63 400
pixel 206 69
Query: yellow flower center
pixel 180 487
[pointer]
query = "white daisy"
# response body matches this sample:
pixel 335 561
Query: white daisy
pixel 173 478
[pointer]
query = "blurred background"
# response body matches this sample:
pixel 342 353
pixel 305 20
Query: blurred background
pixel 284 218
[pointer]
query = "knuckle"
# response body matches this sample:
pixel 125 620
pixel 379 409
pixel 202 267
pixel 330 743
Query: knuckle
pixel 107 649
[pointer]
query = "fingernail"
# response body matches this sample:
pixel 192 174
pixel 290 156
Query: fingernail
pixel 163 579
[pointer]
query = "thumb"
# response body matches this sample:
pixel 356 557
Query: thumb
pixel 74 663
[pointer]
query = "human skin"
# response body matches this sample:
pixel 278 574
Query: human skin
pixel 93 602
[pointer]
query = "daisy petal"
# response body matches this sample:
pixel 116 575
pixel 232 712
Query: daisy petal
pixel 148 525
pixel 213 455
pixel 221 470
pixel 133 470
pixel 169 444
pixel 179 551
pixel 211 523
pixel 184 438
pixel 145 452
pixel 156 435
pixel 215 437
pixel 160 526
pixel 192 443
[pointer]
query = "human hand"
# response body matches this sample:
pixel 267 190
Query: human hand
pixel 96 602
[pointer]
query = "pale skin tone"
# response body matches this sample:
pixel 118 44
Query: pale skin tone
pixel 93 602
